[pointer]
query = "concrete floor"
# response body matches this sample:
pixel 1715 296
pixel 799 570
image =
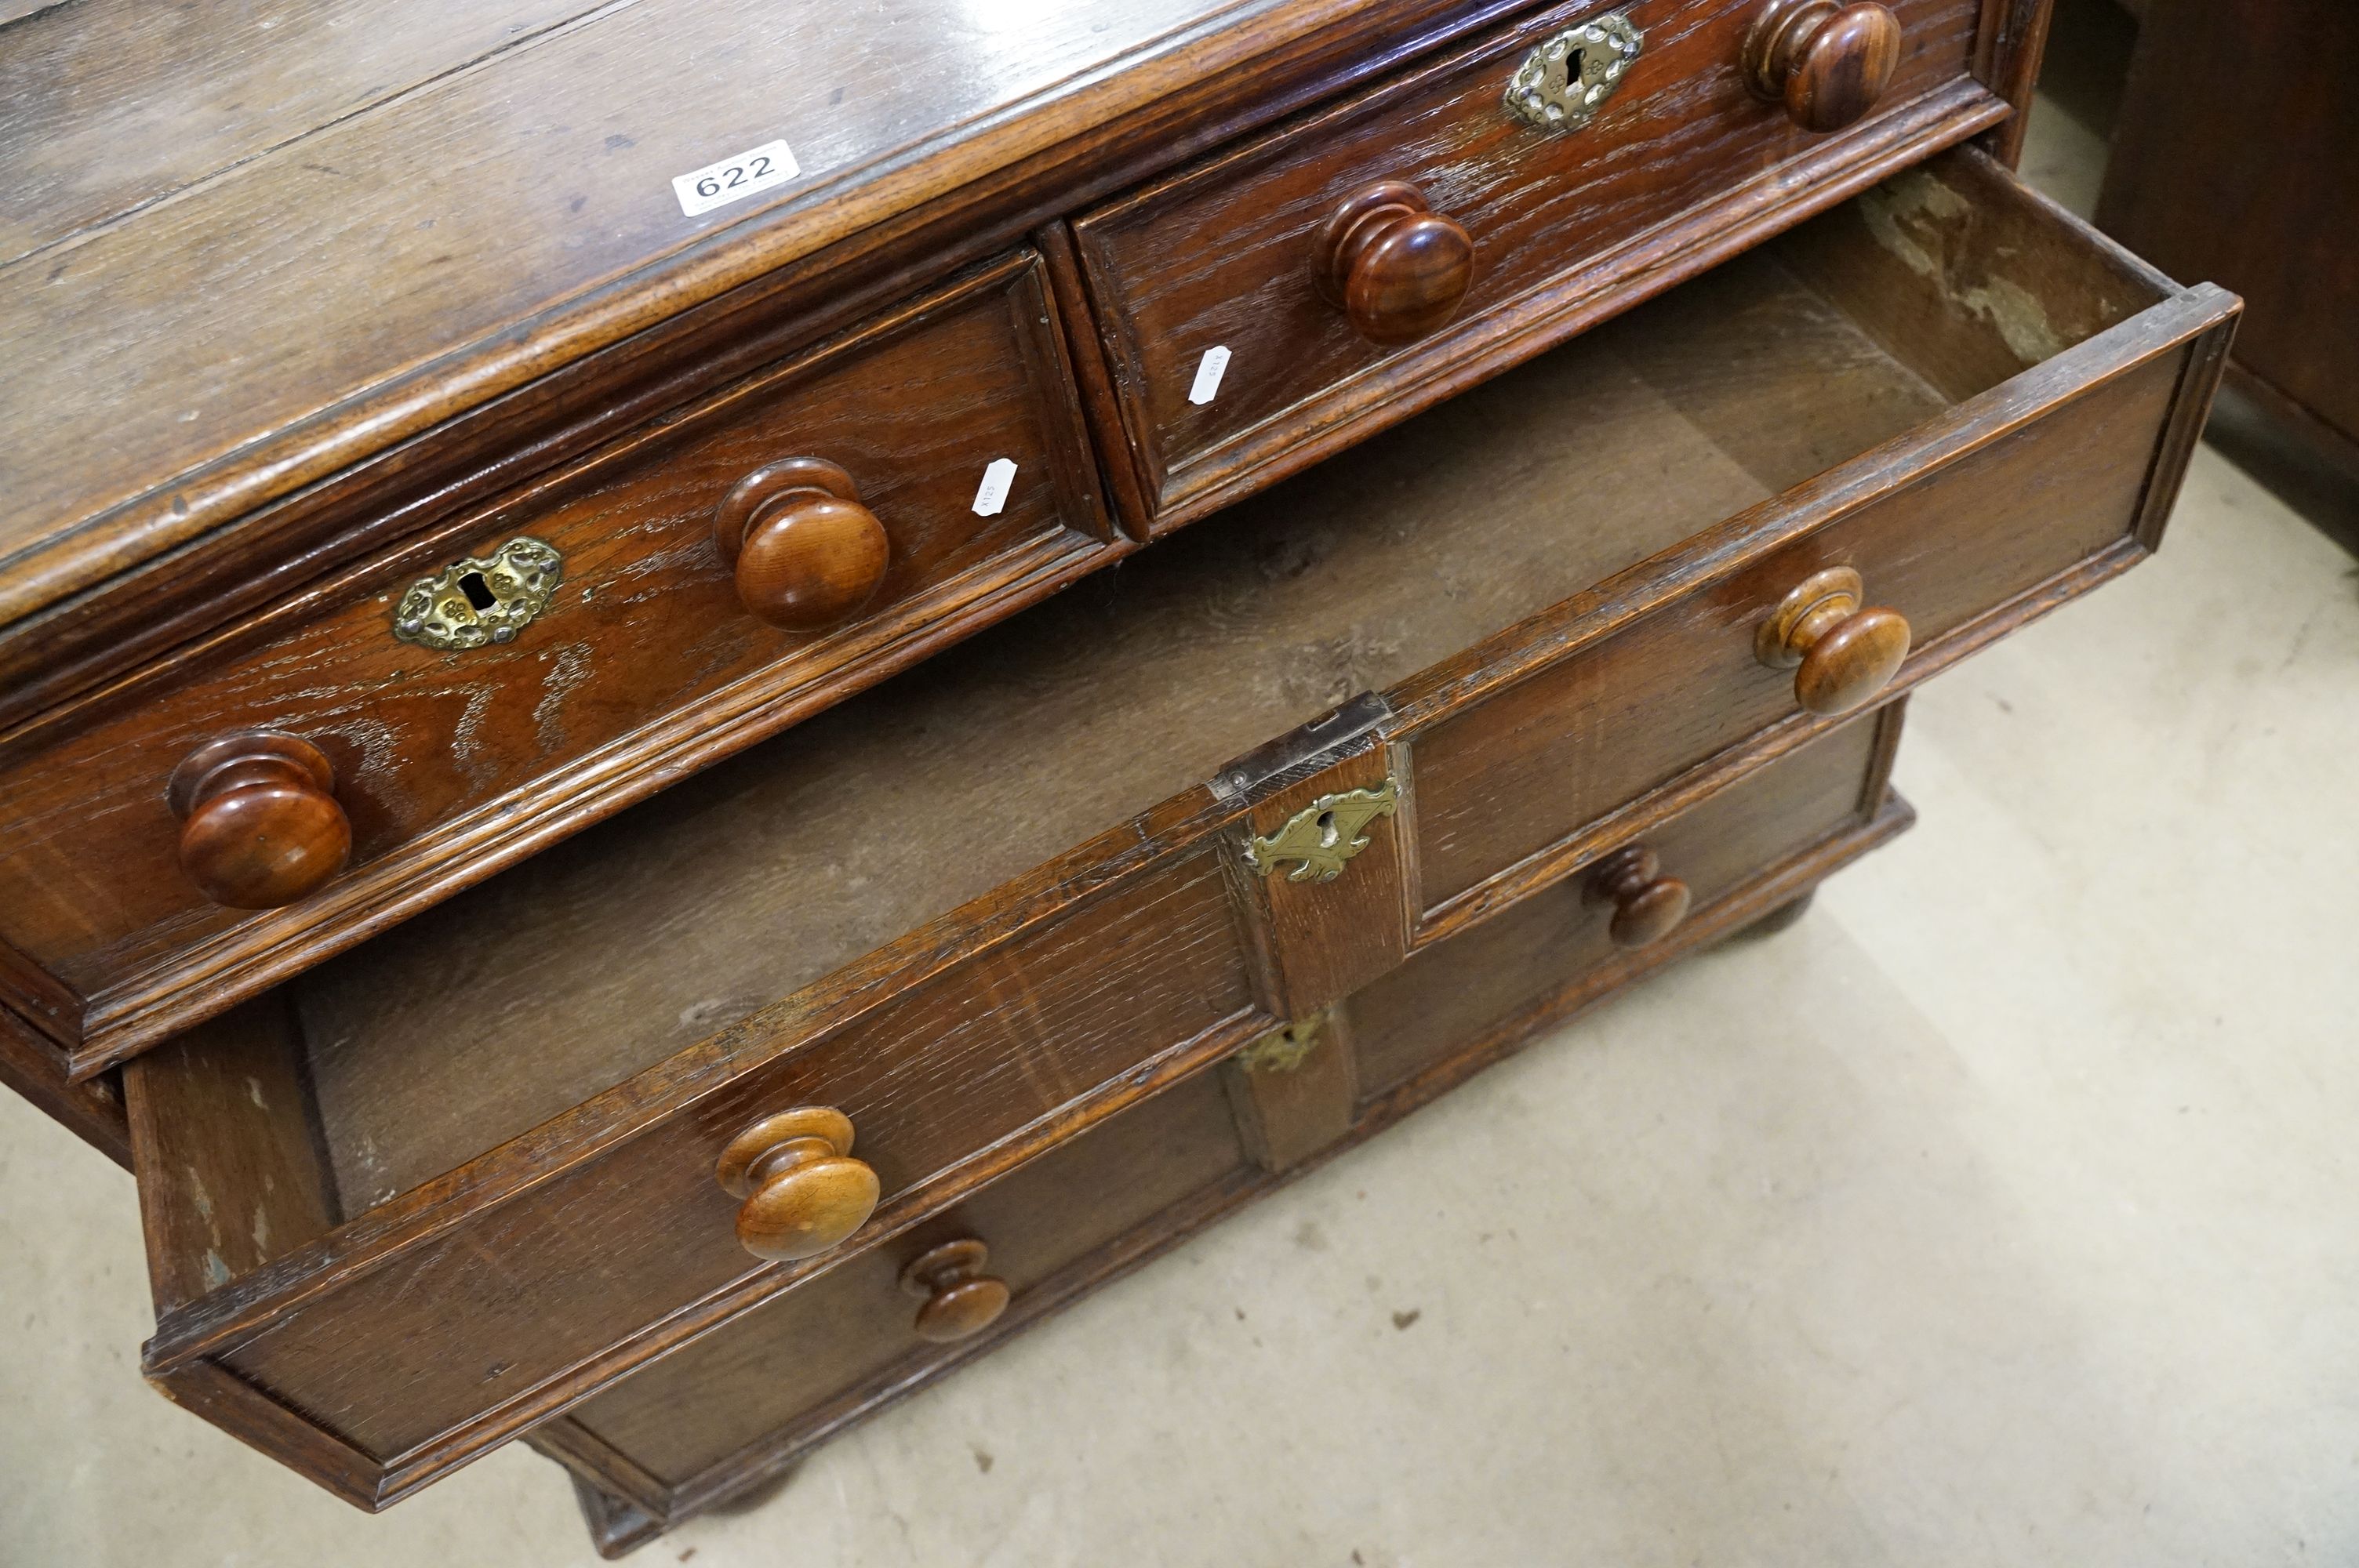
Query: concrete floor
pixel 2003 1211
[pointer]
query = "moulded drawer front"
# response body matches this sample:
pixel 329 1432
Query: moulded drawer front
pixel 1225 259
pixel 946 1073
pixel 1512 774
pixel 810 1360
pixel 447 761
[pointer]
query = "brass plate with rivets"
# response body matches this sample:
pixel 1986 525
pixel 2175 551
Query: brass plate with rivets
pixel 1323 835
pixel 1565 82
pixel 480 599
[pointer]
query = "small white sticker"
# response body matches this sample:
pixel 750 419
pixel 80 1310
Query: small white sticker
pixel 993 495
pixel 735 178
pixel 1209 371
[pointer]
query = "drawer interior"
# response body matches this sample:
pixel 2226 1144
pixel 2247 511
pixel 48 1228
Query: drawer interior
pixel 559 980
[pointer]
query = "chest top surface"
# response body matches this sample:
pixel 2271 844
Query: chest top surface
pixel 241 247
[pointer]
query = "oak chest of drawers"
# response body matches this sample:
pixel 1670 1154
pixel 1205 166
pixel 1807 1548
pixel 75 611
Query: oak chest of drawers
pixel 669 761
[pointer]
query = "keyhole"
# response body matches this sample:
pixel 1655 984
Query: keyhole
pixel 1326 827
pixel 1575 64
pixel 479 592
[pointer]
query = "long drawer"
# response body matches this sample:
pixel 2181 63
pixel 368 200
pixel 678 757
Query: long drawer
pixel 1003 896
pixel 724 1413
pixel 408 728
pixel 702 1420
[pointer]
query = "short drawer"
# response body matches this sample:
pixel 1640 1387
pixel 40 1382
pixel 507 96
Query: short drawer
pixel 1770 836
pixel 1277 301
pixel 617 648
pixel 1003 896
pixel 738 1402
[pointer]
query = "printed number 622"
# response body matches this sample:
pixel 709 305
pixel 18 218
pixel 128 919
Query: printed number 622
pixel 735 175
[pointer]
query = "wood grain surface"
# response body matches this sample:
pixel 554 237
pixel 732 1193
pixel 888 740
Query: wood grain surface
pixel 2267 132
pixel 32 1066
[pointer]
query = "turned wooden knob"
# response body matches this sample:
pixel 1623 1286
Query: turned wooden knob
pixel 803 1191
pixel 259 822
pixel 1828 63
pixel 806 553
pixel 1646 904
pixel 1397 270
pixel 1847 653
pixel 960 1298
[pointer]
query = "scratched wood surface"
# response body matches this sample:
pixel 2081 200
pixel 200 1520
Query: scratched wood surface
pixel 645 622
pixel 1222 255
pixel 231 1176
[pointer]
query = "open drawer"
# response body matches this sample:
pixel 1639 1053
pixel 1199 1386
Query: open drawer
pixel 722 1415
pixel 465 1175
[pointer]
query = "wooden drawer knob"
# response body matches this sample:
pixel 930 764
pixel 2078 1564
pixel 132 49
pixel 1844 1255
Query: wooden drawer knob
pixel 803 1191
pixel 1647 905
pixel 1397 270
pixel 259 822
pixel 1846 654
pixel 806 553
pixel 960 1298
pixel 1828 63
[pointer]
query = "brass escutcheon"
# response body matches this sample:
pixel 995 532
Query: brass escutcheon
pixel 1323 835
pixel 1565 82
pixel 1285 1048
pixel 489 599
